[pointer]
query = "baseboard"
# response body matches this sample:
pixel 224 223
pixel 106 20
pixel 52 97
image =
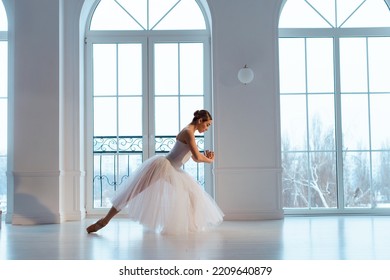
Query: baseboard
pixel 43 218
pixel 253 216
pixel 73 216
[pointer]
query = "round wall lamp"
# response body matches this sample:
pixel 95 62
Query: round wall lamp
pixel 245 75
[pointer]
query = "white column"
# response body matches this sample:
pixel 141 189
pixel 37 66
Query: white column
pixel 36 142
pixel 71 112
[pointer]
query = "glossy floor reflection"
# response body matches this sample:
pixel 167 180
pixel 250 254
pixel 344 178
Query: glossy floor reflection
pixel 293 238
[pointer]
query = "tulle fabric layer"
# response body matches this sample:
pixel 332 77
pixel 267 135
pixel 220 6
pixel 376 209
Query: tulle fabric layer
pixel 167 200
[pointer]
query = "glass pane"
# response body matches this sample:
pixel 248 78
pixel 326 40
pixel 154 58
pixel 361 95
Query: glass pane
pixel 188 105
pixel 381 179
pixel 373 13
pixel 104 180
pixel 326 9
pixel 354 115
pixel 166 69
pixel 321 122
pixel 380 116
pixel 293 122
pixel 130 116
pixel 320 76
pixel 3 126
pixel 185 15
pixel 3 18
pixel 356 173
pixel 295 180
pixel 191 69
pixel 130 69
pixel 345 8
pixel 3 69
pixel 292 65
pixel 167 116
pixel 110 173
pixel 111 16
pixel 298 14
pixel 130 163
pixel 127 164
pixel 158 9
pixel 104 69
pixel 353 65
pixel 379 63
pixel 196 170
pixel 105 119
pixel 138 9
pixel 323 180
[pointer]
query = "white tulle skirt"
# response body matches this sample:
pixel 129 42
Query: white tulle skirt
pixel 167 199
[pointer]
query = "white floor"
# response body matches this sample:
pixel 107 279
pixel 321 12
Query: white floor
pixel 293 238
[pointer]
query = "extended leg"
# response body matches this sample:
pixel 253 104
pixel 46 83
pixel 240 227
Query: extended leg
pixel 102 222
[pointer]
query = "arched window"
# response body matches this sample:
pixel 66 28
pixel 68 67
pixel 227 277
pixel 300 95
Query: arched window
pixel 335 94
pixel 148 70
pixel 3 106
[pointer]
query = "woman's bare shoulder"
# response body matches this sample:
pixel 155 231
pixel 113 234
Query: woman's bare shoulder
pixel 184 135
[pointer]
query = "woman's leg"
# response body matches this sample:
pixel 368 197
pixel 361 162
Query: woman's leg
pixel 111 213
pixel 103 222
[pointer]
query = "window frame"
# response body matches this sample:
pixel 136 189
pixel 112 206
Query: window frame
pixel 336 34
pixel 4 38
pixel 147 38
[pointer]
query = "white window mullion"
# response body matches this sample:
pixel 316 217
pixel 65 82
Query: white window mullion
pixel 208 104
pixel 308 150
pixel 89 120
pixel 116 159
pixel 178 84
pixel 338 125
pixel 150 100
pixel 369 123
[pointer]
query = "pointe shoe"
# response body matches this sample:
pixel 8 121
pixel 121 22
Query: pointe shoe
pixel 96 226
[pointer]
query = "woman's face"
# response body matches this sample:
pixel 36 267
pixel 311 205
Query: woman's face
pixel 203 126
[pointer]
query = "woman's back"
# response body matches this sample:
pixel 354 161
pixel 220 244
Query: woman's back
pixel 179 154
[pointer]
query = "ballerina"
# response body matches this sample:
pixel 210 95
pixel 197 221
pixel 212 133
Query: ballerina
pixel 162 196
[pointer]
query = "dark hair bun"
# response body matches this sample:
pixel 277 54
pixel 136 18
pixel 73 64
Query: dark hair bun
pixel 201 114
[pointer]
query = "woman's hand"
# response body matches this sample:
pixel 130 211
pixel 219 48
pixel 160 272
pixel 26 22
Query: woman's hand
pixel 209 154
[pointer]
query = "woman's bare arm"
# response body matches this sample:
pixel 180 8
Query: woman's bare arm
pixel 189 138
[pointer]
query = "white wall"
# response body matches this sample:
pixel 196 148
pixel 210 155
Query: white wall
pixel 247 137
pixel 48 158
pixel 35 92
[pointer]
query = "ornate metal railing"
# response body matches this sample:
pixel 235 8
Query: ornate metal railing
pixel 115 157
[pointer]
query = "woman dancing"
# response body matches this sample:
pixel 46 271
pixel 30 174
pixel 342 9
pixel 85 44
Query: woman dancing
pixel 162 196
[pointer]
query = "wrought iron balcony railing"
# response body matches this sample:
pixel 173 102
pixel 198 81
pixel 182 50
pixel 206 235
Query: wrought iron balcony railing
pixel 115 157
